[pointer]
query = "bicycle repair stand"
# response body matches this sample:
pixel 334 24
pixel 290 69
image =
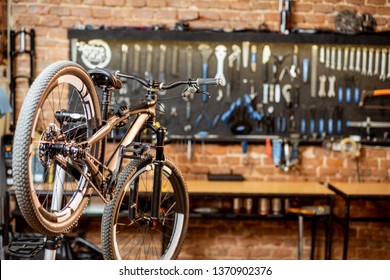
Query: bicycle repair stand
pixel 51 248
pixel 33 246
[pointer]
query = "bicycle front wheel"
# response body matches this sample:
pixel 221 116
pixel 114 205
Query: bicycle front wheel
pixel 128 231
pixel 61 108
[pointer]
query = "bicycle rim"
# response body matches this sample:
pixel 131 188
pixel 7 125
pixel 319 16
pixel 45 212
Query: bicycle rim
pixel 137 238
pixel 61 107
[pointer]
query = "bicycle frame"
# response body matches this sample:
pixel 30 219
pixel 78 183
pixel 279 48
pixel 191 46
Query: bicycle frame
pixel 144 113
pixel 102 175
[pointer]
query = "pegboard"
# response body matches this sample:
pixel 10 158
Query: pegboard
pixel 245 111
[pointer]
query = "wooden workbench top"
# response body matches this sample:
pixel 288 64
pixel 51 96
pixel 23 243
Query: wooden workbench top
pixel 362 188
pixel 257 187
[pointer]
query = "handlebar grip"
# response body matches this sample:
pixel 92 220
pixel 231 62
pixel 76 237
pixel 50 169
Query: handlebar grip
pixel 209 81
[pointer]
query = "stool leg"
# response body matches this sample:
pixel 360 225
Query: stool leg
pixel 300 236
pixel 313 236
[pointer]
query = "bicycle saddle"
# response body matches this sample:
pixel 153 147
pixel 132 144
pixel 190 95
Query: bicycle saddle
pixel 105 79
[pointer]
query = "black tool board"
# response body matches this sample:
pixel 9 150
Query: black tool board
pixel 319 113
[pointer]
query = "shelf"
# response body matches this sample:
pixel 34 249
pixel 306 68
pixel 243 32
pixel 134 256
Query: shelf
pixel 240 216
pixel 216 36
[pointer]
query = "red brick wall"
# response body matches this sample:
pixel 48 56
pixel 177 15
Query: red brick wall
pixel 227 239
pixel 316 163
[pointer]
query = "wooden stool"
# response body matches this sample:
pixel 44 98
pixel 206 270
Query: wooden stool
pixel 312 212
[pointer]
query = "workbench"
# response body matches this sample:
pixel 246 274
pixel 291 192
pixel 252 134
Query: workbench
pixel 202 190
pixel 358 191
pixel 310 191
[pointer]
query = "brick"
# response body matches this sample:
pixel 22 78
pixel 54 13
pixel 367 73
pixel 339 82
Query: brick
pixel 316 19
pixel 38 9
pixel 323 8
pixel 19 9
pixel 377 2
pixel 60 11
pixel 51 1
pixel 334 162
pixel 73 2
pixel 281 254
pixel 49 20
pixel 220 170
pixel 303 7
pixel 199 169
pixel 135 3
pixel 217 149
pixel 368 9
pixel 238 253
pixel 178 3
pixel 187 15
pixel 209 15
pixel 266 6
pixel 377 153
pixel 114 3
pixel 93 2
pixel 101 13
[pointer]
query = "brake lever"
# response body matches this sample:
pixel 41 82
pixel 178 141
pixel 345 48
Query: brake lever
pixel 206 93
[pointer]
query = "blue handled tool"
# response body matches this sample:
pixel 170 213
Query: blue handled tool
pixel 205 52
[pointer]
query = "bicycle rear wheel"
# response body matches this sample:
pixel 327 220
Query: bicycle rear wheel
pixel 61 107
pixel 137 238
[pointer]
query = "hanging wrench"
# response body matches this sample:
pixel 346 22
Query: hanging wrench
pixel 277 93
pixel 331 91
pixel 234 73
pixel 205 52
pixel 313 72
pixel 327 57
pixel 358 58
pixel 149 58
pixel 123 98
pixel 189 61
pixel 376 65
pixel 352 59
pixel 254 58
pixel 346 55
pixel 123 64
pixel 322 55
pixel 137 57
pixel 388 65
pixel 220 53
pixel 382 76
pixel 294 71
pixel 161 70
pixel 333 58
pixel 245 54
pixel 321 91
pixel 370 61
pixel 271 96
pixel 175 61
pixel 265 62
pixel 364 62
pixel 339 64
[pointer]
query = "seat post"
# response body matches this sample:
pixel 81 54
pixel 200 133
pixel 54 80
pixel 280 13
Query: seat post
pixel 106 102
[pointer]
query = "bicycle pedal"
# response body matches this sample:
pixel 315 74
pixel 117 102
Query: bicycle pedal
pixel 137 150
pixel 25 248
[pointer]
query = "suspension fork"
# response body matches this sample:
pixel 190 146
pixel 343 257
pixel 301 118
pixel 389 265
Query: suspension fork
pixel 157 180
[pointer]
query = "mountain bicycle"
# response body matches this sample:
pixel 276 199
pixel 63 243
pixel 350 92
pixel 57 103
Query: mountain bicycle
pixel 60 160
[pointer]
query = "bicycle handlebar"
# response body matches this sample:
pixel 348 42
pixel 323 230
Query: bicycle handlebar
pixel 209 81
pixel 165 86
